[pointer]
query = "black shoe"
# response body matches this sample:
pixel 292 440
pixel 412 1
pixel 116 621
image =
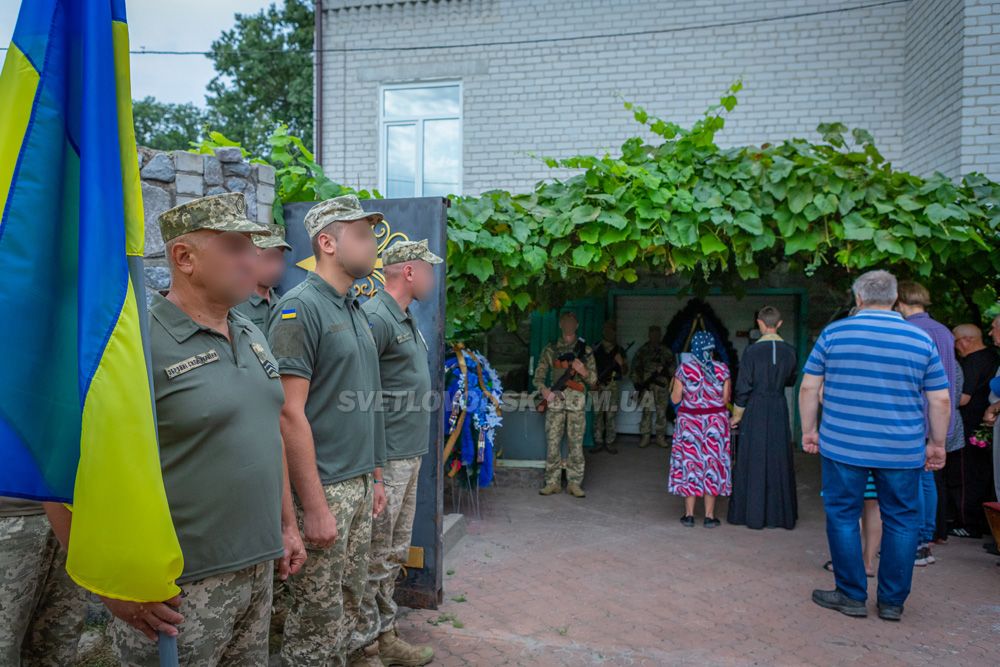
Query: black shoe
pixel 597 447
pixel 836 600
pixel 687 521
pixel 611 448
pixel 890 612
pixel 712 523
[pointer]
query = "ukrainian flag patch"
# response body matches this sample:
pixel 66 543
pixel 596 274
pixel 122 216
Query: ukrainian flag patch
pixel 288 314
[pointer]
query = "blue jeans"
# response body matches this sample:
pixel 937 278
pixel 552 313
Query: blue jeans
pixel 899 502
pixel 928 507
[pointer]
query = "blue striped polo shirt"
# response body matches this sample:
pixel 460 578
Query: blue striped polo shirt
pixel 875 367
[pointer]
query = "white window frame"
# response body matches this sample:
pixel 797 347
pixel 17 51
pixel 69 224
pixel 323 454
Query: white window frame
pixel 418 121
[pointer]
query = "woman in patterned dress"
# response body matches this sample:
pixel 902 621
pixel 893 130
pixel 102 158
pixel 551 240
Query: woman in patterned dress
pixel 699 460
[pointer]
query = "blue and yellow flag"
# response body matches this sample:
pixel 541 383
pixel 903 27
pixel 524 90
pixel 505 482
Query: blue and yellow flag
pixel 76 415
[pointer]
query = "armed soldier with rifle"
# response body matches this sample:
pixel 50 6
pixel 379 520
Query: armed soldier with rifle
pixel 609 358
pixel 652 370
pixel 571 362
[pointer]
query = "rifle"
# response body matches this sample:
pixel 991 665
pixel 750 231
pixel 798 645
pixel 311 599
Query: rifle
pixel 609 373
pixel 579 352
pixel 657 377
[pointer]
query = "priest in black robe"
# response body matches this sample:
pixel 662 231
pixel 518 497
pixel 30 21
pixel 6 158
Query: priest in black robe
pixel 764 472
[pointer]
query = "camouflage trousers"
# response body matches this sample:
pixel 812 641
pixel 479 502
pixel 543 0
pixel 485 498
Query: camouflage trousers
pixel 566 415
pixel 327 593
pixel 606 413
pixel 657 399
pixel 41 609
pixel 226 618
pixel 391 535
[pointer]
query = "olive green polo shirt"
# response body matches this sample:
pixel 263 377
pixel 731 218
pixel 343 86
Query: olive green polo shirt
pixel 321 335
pixel 217 407
pixel 19 507
pixel 258 310
pixel 406 377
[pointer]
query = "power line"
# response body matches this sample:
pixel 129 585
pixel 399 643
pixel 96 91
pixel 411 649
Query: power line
pixel 523 42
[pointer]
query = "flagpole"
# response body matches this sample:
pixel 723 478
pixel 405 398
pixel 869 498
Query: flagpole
pixel 167 644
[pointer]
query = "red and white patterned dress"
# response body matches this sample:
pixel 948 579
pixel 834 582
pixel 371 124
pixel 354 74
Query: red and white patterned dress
pixel 699 458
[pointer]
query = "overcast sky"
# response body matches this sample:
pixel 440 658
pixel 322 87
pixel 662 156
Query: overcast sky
pixel 178 25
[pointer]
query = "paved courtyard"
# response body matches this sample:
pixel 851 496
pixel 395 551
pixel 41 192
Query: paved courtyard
pixel 614 579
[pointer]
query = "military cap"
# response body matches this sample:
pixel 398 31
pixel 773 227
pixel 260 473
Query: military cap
pixel 275 240
pixel 339 209
pixel 407 251
pixel 222 213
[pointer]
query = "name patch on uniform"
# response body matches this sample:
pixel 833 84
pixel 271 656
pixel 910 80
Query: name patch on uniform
pixel 403 337
pixel 337 328
pixel 191 363
pixel 288 314
pixel 265 361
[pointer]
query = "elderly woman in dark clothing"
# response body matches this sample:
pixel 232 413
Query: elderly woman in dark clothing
pixel 764 473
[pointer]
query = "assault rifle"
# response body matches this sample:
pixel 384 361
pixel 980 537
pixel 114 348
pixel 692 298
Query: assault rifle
pixel 579 352
pixel 608 374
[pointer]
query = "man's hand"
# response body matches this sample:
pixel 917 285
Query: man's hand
pixel 619 360
pixel 810 442
pixel 990 417
pixel 320 528
pixel 579 367
pixel 935 456
pixel 378 499
pixel 548 395
pixel 295 553
pixel 148 617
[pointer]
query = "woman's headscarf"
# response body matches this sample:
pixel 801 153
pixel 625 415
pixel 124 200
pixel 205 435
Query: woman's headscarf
pixel 702 345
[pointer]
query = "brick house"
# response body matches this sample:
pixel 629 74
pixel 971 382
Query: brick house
pixel 454 96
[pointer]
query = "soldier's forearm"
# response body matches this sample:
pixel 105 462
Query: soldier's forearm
pixel 302 471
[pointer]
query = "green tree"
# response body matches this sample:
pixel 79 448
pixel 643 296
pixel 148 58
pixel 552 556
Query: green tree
pixel 165 126
pixel 264 75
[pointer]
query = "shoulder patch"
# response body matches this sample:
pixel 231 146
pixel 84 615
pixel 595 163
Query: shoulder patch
pixel 289 314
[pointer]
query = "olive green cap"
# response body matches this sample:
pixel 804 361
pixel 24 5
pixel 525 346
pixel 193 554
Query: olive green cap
pixel 339 209
pixel 275 240
pixel 222 213
pixel 408 251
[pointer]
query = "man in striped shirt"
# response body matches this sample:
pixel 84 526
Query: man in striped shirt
pixel 874 370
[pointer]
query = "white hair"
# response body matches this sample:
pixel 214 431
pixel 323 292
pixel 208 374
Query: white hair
pixel 876 288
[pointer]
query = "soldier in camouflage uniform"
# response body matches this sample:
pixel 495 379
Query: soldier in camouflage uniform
pixel 609 358
pixel 406 383
pixel 220 448
pixel 653 366
pixel 567 409
pixel 270 267
pixel 41 609
pixel 336 440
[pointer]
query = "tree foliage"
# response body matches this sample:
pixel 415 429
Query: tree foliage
pixel 265 76
pixel 166 126
pixel 683 206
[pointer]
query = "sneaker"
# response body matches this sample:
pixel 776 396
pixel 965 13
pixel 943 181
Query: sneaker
pixel 838 601
pixel 921 558
pixel 712 523
pixel 890 612
pixel 930 557
pixel 687 521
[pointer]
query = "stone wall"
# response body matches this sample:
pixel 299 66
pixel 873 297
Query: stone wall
pixel 171 179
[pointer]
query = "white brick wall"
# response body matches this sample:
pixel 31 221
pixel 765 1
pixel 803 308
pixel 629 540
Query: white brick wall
pixel 560 98
pixel 932 95
pixel 981 88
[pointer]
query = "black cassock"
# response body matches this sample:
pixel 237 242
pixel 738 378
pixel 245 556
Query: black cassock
pixel 764 473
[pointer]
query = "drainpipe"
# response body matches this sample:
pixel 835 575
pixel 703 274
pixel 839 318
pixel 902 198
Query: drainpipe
pixel 318 85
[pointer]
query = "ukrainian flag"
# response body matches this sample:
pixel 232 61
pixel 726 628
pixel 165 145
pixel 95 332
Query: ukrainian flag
pixel 76 415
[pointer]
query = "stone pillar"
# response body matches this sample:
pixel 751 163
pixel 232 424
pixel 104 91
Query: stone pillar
pixel 174 178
